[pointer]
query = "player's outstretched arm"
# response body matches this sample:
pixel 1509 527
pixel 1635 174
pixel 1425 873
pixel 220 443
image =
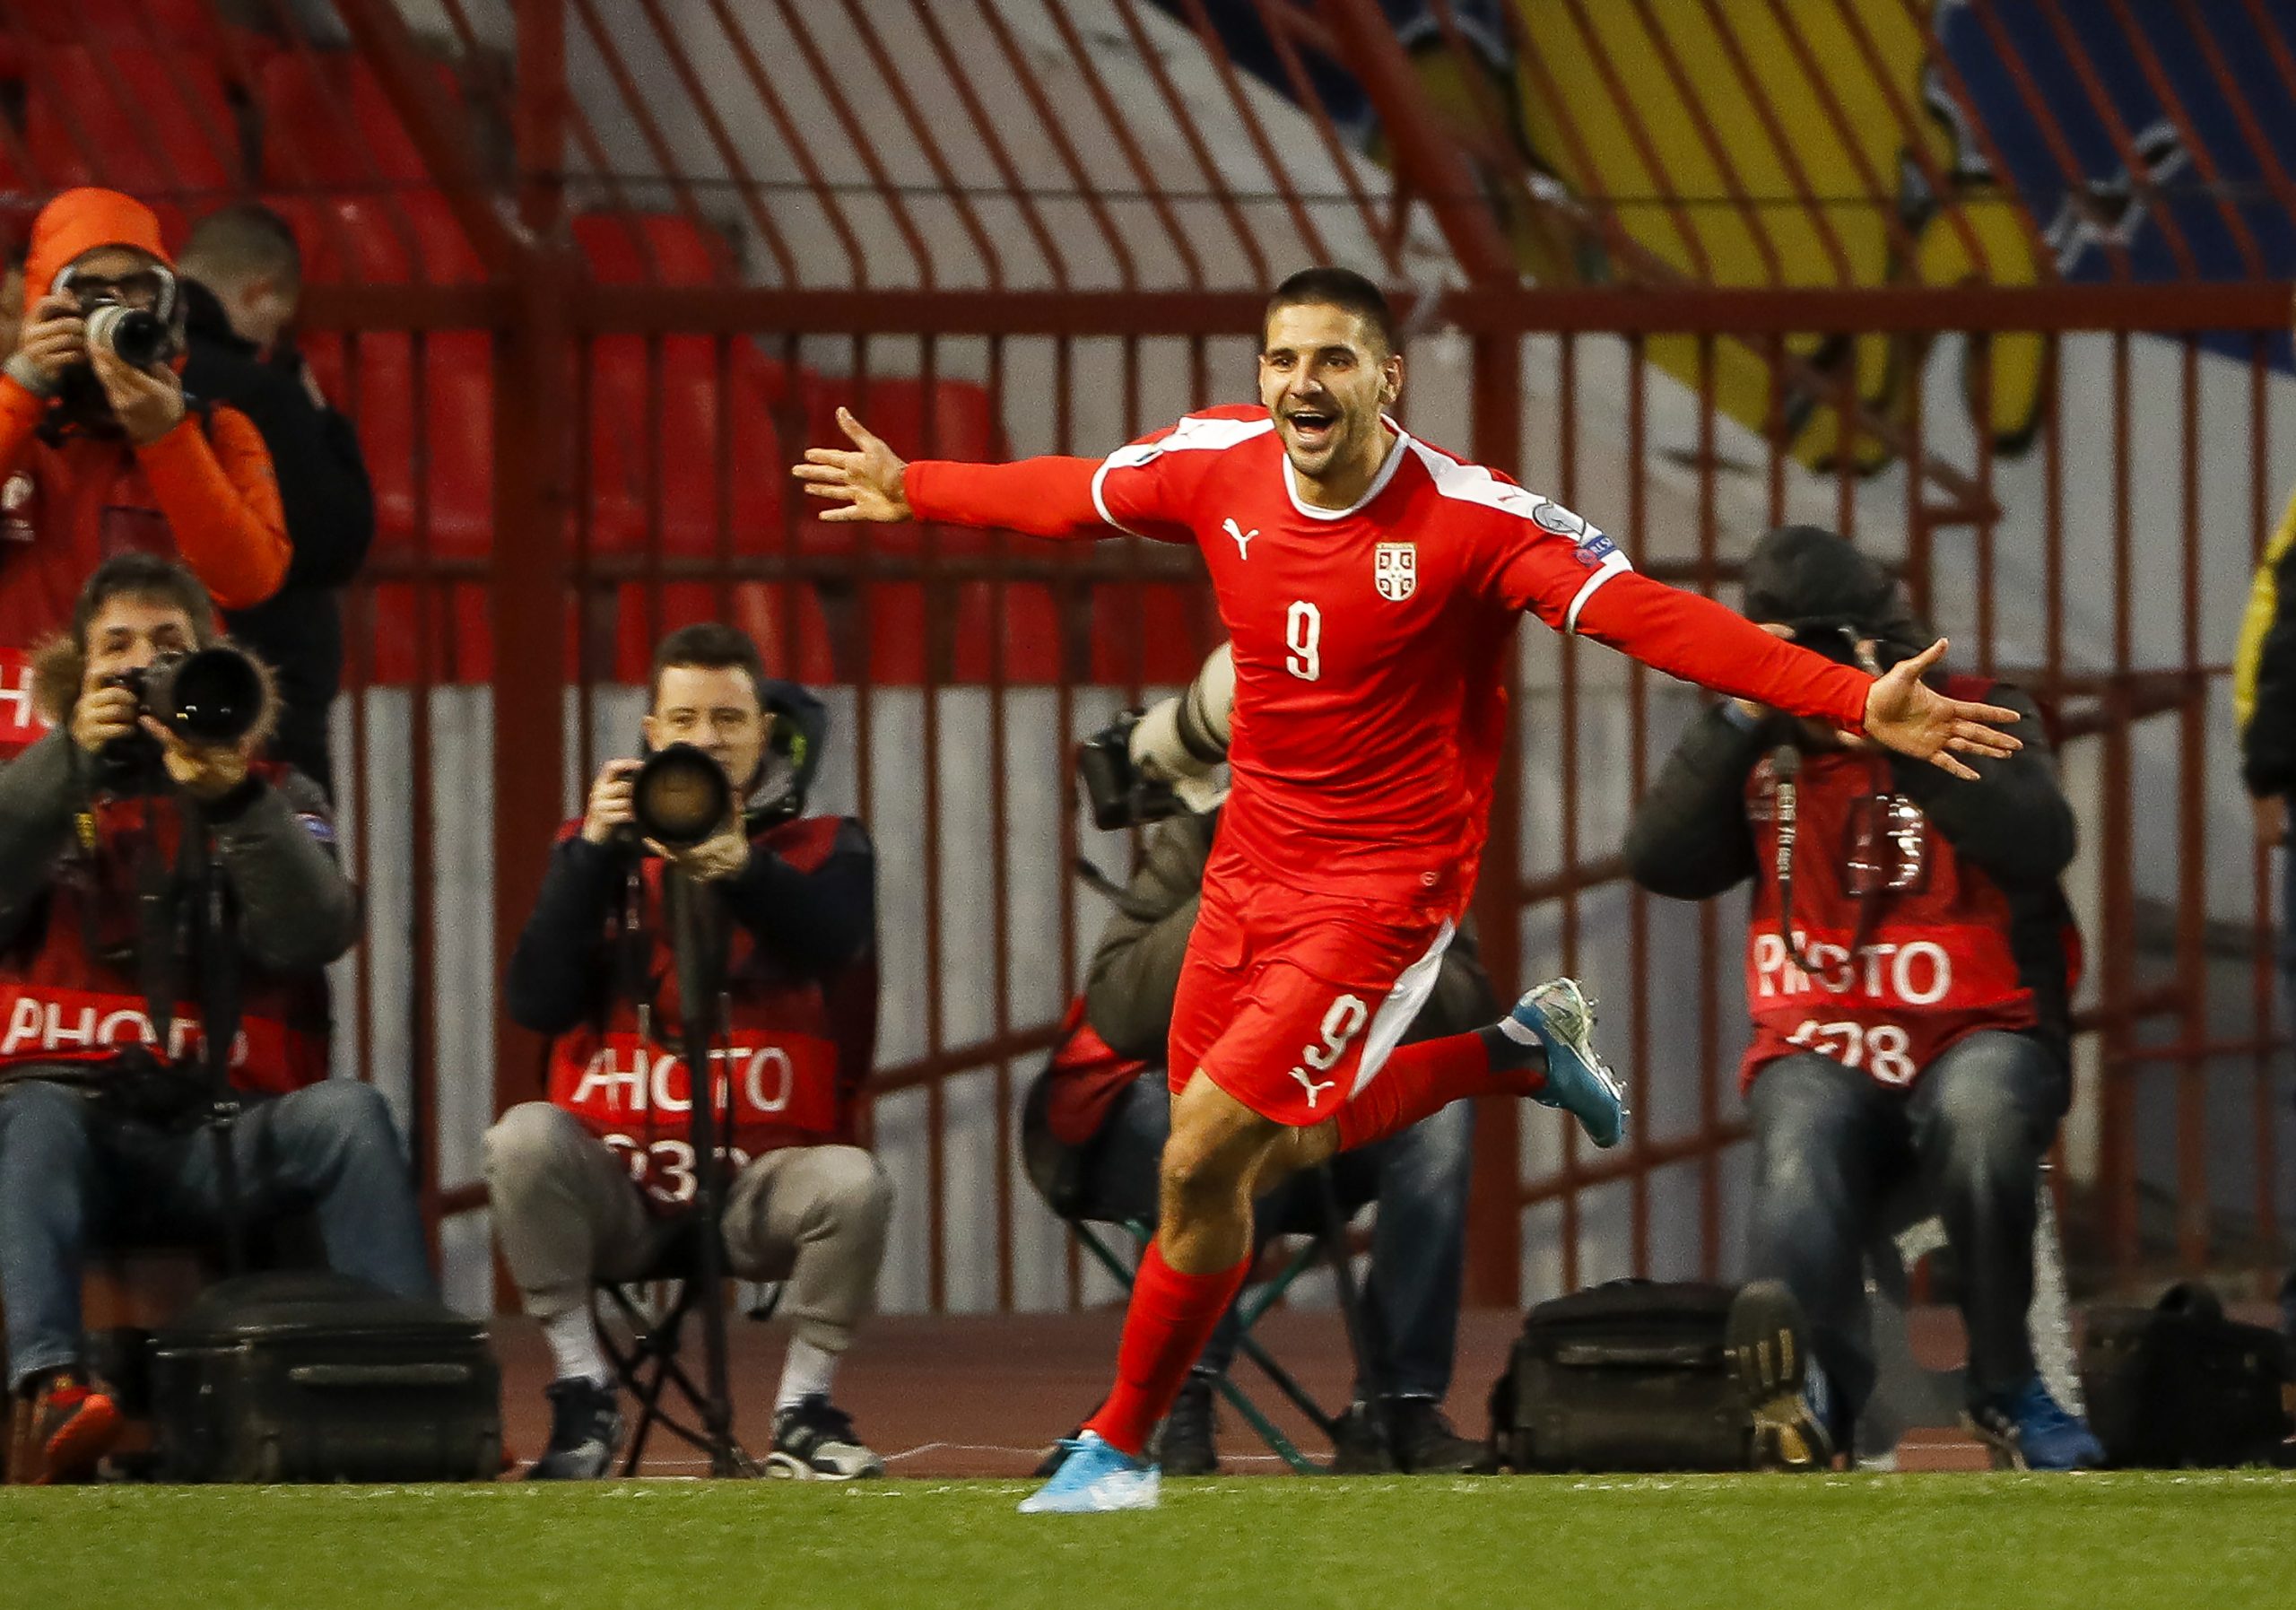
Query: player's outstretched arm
pixel 1700 640
pixel 1038 497
pixel 868 483
pixel 1905 714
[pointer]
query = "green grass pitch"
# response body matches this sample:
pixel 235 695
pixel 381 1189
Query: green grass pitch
pixel 1666 1542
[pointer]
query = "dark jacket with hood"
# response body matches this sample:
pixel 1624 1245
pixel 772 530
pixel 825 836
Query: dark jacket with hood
pixel 1691 838
pixel 816 920
pixel 330 512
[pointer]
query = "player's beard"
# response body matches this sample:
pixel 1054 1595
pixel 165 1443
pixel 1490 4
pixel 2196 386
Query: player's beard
pixel 1337 446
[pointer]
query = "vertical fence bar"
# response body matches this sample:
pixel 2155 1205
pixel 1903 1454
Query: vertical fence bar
pixel 2193 1203
pixel 1710 1004
pixel 1567 452
pixel 1494 1259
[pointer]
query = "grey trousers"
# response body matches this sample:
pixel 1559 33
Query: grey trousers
pixel 566 1213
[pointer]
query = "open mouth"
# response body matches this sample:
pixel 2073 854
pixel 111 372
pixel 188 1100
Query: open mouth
pixel 1311 427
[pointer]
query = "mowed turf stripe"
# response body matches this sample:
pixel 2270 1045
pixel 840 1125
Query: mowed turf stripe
pixel 1929 1542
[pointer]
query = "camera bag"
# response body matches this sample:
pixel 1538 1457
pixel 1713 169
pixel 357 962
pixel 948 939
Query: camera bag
pixel 2179 1385
pixel 1628 1376
pixel 315 1377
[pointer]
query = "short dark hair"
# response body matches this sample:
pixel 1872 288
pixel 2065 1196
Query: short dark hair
pixel 147 576
pixel 246 241
pixel 708 645
pixel 1340 288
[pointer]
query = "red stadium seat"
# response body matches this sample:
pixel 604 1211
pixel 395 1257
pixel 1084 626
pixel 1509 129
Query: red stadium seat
pixel 785 622
pixel 406 238
pixel 454 517
pixel 1026 621
pixel 1156 632
pixel 650 248
pixel 327 123
pixel 133 118
pixel 681 412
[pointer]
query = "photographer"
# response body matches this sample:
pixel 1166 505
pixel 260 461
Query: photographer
pixel 111 829
pixel 590 1184
pixel 1908 967
pixel 97 435
pixel 242 283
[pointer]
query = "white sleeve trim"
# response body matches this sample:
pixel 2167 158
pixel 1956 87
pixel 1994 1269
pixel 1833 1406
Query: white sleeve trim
pixel 1099 503
pixel 1613 564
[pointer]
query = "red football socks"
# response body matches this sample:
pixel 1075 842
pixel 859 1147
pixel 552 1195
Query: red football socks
pixel 1170 1317
pixel 1425 1078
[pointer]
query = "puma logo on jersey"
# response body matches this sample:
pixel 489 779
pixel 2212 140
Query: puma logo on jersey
pixel 1311 1086
pixel 1243 538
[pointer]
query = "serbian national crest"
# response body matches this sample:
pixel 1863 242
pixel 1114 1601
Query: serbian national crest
pixel 1394 570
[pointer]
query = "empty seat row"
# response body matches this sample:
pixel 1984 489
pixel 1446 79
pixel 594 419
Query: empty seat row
pixel 887 634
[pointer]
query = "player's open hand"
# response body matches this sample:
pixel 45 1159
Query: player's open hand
pixel 868 482
pixel 1904 714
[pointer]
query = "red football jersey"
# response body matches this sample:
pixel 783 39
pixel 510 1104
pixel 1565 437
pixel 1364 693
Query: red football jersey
pixel 1370 642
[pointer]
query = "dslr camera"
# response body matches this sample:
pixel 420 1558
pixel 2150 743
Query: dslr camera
pixel 141 337
pixel 1838 639
pixel 215 695
pixel 1148 764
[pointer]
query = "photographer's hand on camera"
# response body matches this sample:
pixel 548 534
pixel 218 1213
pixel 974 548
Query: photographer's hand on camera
pixel 102 717
pixel 713 860
pixel 205 772
pixel 147 403
pixel 609 806
pixel 54 340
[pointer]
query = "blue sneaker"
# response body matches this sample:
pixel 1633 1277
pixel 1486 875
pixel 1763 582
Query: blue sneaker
pixel 2028 1429
pixel 1094 1477
pixel 1558 1015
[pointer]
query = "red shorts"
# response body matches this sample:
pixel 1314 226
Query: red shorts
pixel 1291 1002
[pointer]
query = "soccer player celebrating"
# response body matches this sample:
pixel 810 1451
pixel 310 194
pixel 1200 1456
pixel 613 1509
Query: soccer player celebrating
pixel 1369 584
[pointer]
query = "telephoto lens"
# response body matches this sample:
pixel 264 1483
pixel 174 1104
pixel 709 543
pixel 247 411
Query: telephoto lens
pixel 132 334
pixel 213 696
pixel 680 797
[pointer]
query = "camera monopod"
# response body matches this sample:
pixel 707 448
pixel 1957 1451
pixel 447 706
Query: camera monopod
pixel 217 960
pixel 698 942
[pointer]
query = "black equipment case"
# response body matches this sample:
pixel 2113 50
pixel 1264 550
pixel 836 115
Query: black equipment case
pixel 2178 1384
pixel 1628 1376
pixel 319 1377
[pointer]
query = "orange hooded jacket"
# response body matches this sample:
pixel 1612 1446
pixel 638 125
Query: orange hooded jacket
pixel 205 494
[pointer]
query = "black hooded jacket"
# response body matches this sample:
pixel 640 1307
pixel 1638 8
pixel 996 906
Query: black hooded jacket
pixel 330 511
pixel 812 923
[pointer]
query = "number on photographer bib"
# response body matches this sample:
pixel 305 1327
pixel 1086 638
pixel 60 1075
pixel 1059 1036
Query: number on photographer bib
pixel 1881 1050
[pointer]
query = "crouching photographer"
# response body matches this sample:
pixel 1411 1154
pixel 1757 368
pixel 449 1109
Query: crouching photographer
pixel 1106 1109
pixel 153 878
pixel 600 1180
pixel 101 451
pixel 1908 964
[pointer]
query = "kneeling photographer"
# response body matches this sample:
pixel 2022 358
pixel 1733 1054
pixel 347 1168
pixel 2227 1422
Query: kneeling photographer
pixel 1909 966
pixel 101 449
pixel 154 877
pixel 599 1181
pixel 1107 1104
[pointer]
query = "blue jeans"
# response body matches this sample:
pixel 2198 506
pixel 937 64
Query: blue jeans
pixel 1419 1178
pixel 72 1174
pixel 1831 1146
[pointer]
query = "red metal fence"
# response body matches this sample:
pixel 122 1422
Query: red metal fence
pixel 589 276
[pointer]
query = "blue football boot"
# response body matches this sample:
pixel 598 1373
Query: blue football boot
pixel 1094 1477
pixel 1558 1015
